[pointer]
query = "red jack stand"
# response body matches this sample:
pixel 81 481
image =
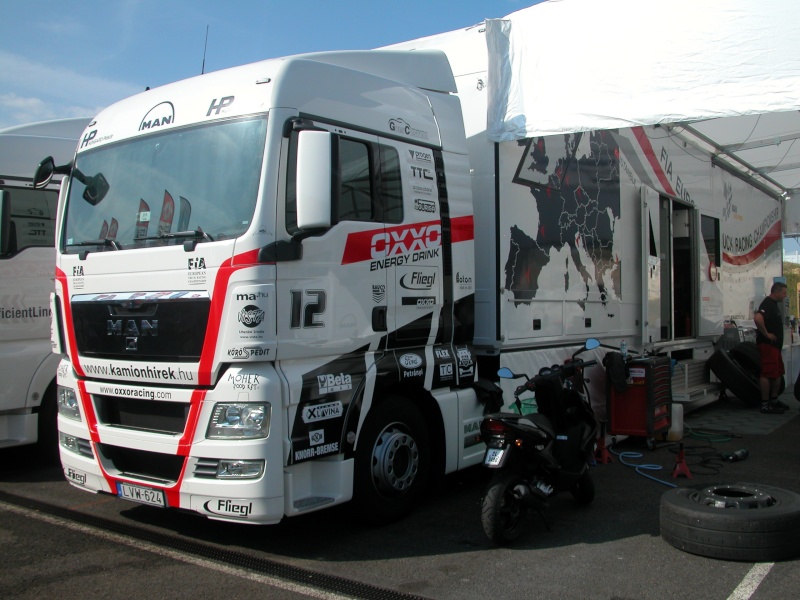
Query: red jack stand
pixel 681 468
pixel 601 453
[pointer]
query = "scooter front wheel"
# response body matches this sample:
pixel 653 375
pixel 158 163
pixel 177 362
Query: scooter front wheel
pixel 502 513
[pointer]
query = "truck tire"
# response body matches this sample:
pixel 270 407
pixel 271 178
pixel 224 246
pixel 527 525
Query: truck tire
pixel 392 462
pixel 739 521
pixel 748 357
pixel 742 383
pixel 503 515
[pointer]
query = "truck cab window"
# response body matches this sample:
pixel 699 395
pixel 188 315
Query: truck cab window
pixel 355 194
pixel 364 195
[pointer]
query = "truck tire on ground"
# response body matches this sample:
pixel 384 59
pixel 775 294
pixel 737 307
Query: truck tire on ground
pixel 739 521
pixel 503 515
pixel 392 463
pixel 748 357
pixel 740 382
pixel 583 490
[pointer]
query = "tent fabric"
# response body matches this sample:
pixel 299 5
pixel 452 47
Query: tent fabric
pixel 578 65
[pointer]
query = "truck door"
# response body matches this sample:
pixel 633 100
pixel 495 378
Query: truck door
pixel 656 267
pixel 332 298
pixel 414 249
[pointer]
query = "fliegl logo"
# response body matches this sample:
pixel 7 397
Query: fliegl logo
pixel 229 508
pixel 417 280
pixel 158 116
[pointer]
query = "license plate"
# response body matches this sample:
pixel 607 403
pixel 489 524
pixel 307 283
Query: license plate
pixel 138 493
pixel 493 456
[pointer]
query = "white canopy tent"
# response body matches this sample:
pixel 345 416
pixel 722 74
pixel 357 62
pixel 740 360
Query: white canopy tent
pixel 721 74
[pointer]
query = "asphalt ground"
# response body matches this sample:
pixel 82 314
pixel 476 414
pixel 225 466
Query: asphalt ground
pixel 62 542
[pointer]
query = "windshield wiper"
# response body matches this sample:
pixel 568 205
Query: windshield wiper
pixel 196 234
pixel 107 242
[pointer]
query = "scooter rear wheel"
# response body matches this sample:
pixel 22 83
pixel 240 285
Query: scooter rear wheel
pixel 583 489
pixel 503 515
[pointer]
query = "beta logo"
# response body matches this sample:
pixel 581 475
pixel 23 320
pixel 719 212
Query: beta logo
pixel 334 383
pixel 251 316
pixel 229 508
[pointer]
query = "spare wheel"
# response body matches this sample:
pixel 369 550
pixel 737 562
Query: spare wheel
pixel 743 384
pixel 738 521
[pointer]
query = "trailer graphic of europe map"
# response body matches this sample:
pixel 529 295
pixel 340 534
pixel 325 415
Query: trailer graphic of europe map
pixel 574 180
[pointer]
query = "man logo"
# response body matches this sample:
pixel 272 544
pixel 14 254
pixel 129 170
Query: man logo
pixel 158 116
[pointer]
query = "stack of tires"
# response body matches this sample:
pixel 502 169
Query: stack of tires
pixel 738 369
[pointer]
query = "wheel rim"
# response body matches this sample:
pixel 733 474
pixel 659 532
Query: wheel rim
pixel 510 511
pixel 733 496
pixel 395 461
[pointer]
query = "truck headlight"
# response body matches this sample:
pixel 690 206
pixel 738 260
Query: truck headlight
pixel 239 420
pixel 68 404
pixel 240 469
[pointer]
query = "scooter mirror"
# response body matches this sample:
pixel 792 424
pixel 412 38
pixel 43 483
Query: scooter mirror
pixel 506 373
pixel 591 344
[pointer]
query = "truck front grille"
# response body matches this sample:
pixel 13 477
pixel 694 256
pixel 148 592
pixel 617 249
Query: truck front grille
pixel 159 468
pixel 143 415
pixel 162 327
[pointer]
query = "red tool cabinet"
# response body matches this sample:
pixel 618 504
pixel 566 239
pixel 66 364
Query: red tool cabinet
pixel 645 407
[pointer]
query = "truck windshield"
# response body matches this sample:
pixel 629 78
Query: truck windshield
pixel 198 182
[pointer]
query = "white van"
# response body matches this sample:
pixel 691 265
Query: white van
pixel 27 264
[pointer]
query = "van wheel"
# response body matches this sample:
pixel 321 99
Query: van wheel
pixel 47 427
pixel 392 463
pixel 740 521
pixel 742 383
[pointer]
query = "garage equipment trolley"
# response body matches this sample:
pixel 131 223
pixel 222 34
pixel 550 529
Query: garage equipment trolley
pixel 644 408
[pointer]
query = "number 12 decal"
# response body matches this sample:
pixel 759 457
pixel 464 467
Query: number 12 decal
pixel 305 313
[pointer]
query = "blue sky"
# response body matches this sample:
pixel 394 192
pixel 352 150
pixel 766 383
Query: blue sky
pixel 70 58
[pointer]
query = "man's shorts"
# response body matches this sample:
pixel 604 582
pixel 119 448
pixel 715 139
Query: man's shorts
pixel 771 361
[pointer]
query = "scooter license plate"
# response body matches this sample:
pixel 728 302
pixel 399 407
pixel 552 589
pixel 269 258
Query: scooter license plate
pixel 493 456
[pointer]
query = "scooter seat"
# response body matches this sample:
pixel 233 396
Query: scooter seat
pixel 540 421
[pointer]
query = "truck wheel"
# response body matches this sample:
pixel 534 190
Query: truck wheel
pixel 740 521
pixel 583 490
pixel 748 357
pixel 503 515
pixel 743 384
pixel 392 462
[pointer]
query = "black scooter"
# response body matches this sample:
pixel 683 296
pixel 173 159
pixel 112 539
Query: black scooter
pixel 539 454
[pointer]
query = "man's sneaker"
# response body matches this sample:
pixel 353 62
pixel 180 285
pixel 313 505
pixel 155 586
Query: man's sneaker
pixel 771 409
pixel 780 404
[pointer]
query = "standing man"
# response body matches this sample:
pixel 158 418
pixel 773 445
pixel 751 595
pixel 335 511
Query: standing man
pixel 770 341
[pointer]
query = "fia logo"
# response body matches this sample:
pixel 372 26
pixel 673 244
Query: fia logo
pixel 196 264
pixel 77 271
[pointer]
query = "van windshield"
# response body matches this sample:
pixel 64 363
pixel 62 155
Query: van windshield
pixel 197 182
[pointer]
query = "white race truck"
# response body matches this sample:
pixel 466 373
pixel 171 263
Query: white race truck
pixel 27 264
pixel 276 283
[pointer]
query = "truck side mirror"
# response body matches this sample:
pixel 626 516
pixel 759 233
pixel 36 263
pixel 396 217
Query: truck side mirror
pixel 44 173
pixel 5 221
pixel 315 179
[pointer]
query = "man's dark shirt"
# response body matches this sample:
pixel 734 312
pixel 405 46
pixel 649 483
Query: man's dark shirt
pixel 772 321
